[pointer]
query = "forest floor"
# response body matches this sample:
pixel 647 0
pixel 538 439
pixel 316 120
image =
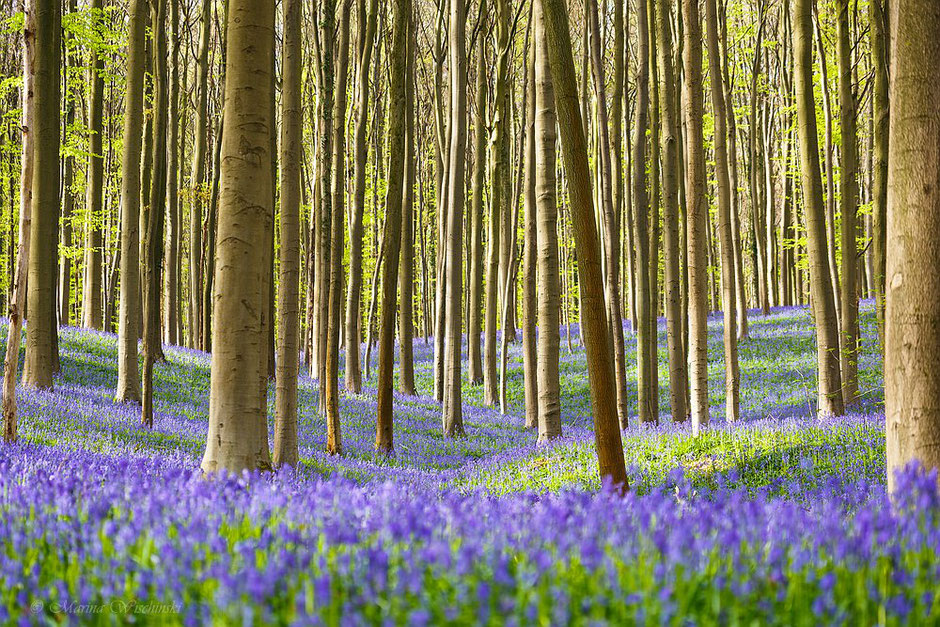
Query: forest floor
pixel 780 518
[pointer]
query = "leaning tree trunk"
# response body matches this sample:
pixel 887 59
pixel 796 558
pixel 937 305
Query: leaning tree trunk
pixel 384 442
pixel 729 293
pixel 288 306
pixel 18 300
pixel 912 347
pixel 128 386
pixel 827 334
pixel 696 210
pixel 594 322
pixel 39 366
pixel 238 433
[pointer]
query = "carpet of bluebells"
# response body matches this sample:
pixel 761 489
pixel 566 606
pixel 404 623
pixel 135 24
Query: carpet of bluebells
pixel 779 519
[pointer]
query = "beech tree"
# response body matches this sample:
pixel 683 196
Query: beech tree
pixel 238 433
pixel 912 345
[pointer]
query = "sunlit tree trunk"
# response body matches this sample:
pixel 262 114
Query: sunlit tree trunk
pixel 696 210
pixel 912 347
pixel 530 308
pixel 600 363
pixel 238 435
pixel 91 291
pixel 880 125
pixel 827 334
pixel 406 334
pixel 288 306
pixel 199 187
pixel 475 312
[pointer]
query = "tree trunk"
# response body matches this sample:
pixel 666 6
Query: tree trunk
pixel 848 184
pixel 475 311
pixel 238 434
pixel 337 237
pixel 827 334
pixel 18 300
pixel 594 322
pixel 406 271
pixel 696 215
pixel 288 358
pixel 530 309
pixel 41 331
pixel 912 348
pixel 353 370
pixel 678 375
pixel 91 291
pixel 171 264
pixel 880 123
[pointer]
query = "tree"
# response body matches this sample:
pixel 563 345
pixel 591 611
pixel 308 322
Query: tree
pixel 880 128
pixel 475 311
pixel 91 292
pixel 549 401
pixel 336 238
pixel 406 371
pixel 452 415
pixel 238 434
pixel 829 397
pixel 384 440
pixel 128 386
pixel 596 335
pixel 678 374
pixel 288 358
pixel 41 344
pixel 18 301
pixel 530 236
pixel 171 326
pixel 199 187
pixel 912 344
pixel 723 176
pixel 155 213
pixel 848 206
pixel 696 211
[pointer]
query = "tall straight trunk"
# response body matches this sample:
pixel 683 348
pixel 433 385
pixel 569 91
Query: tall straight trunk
pixel 829 165
pixel 475 311
pixel 655 158
pixel 848 184
pixel 609 218
pixel 64 312
pixel 678 375
pixel 879 192
pixel 546 219
pixel 648 412
pixel 18 299
pixel 827 333
pixel 91 290
pixel 758 280
pixel 238 435
pixel 288 306
pixel 337 236
pixel 912 379
pixel 200 188
pixel 173 236
pixel 211 224
pixel 696 215
pixel 41 345
pixel 729 293
pixel 441 148
pixel 452 414
pixel 530 242
pixel 128 386
pixel 498 253
pixel 326 20
pixel 153 231
pixel 366 30
pixel 594 321
pixel 406 373
pixel 393 221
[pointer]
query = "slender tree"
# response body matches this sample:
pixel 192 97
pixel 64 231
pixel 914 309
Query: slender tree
pixel 530 239
pixel 288 307
pixel 879 166
pixel 384 441
pixel 199 186
pixel 238 434
pixel 91 291
pixel 823 302
pixel 696 213
pixel 475 310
